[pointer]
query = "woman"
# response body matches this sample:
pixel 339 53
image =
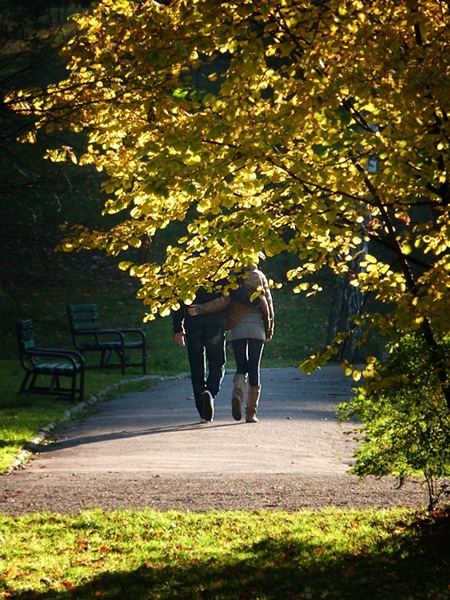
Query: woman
pixel 249 328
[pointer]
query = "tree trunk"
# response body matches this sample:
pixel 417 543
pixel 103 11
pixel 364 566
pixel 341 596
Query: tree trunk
pixel 347 302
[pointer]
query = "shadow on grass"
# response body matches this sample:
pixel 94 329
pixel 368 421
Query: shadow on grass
pixel 7 444
pixel 411 563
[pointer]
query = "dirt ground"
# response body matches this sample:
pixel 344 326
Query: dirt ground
pixel 23 493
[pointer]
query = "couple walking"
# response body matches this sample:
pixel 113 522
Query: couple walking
pixel 201 327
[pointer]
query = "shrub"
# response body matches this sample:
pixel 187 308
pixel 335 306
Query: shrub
pixel 406 429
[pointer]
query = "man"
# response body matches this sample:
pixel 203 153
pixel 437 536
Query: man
pixel 204 336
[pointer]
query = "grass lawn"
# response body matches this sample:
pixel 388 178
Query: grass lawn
pixel 385 555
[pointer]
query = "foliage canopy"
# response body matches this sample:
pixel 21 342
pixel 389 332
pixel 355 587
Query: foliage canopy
pixel 314 127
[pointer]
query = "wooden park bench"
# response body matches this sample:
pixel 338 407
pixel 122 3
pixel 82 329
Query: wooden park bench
pixel 88 335
pixel 50 365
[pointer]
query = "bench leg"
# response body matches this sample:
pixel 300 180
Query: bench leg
pixel 23 385
pixel 106 356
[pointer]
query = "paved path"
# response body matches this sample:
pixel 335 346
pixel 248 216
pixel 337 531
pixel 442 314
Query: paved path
pixel 158 431
pixel 131 441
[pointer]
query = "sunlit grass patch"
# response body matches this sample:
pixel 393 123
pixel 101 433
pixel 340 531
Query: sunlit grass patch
pixel 149 554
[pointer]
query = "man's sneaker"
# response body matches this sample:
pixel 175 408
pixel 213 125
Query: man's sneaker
pixel 208 406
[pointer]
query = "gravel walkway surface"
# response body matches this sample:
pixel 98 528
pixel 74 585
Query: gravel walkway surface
pixel 148 450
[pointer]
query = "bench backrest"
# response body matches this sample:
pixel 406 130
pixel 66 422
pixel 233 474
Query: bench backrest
pixel 25 336
pixel 83 317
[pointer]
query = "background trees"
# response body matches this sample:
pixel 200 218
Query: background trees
pixel 36 195
pixel 30 34
pixel 316 128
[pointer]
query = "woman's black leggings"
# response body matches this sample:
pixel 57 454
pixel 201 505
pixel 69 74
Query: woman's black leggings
pixel 247 354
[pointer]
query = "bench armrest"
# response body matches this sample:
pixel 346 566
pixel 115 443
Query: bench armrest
pixel 133 330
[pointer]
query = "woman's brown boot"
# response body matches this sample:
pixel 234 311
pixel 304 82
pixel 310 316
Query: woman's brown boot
pixel 251 407
pixel 238 396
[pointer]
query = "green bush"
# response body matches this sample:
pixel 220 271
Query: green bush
pixel 406 429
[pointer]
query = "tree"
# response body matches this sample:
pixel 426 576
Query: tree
pixel 315 127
